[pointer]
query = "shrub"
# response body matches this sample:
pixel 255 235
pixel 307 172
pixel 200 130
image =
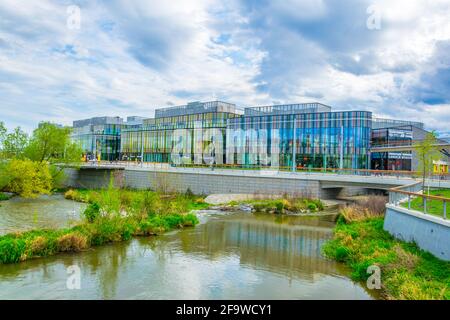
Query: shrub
pixel 38 246
pixel 106 229
pixel 318 203
pixel 11 250
pixel 279 206
pixel 3 197
pixel 376 205
pixel 341 253
pixel 312 207
pixel 28 179
pixel 71 195
pixel 72 242
pixel 92 212
pixel 189 193
pixel 190 219
pixel 357 212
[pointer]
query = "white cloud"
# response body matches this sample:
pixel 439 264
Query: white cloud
pixel 132 56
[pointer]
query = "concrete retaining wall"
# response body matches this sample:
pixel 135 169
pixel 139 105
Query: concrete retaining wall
pixel 429 232
pixel 208 184
pixel 199 183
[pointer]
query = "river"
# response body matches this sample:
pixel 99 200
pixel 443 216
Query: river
pixel 229 255
pixel 19 214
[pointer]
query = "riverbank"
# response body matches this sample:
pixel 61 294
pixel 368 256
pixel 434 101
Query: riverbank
pixel 112 215
pixel 406 271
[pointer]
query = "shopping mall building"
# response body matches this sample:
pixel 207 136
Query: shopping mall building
pixel 306 135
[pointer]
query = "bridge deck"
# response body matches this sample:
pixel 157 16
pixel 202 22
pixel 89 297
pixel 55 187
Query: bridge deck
pixel 327 180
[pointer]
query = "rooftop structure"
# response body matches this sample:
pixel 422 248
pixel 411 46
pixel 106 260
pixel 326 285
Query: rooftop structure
pixel 197 107
pixel 134 120
pixel 287 109
pixel 379 123
pixel 97 121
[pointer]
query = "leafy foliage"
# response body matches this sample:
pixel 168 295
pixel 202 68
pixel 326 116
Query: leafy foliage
pixel 51 143
pixel 26 165
pixel 92 212
pixel 427 152
pixel 12 144
pixel 27 178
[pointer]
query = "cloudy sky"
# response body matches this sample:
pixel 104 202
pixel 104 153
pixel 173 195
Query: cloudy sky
pixel 129 57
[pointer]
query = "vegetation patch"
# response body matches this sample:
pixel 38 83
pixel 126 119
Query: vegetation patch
pixel 18 247
pixel 284 205
pixel 4 196
pixel 407 272
pixel 112 215
pixel 368 207
pixel 134 202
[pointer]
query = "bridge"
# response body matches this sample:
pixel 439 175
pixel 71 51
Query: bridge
pixel 321 183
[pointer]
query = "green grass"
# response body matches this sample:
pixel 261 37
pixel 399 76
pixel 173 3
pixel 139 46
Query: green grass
pixel 434 207
pixel 112 215
pixel 406 271
pixel 138 202
pixel 283 205
pixel 18 247
pixel 4 197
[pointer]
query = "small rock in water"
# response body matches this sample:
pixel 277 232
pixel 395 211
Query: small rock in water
pixel 245 207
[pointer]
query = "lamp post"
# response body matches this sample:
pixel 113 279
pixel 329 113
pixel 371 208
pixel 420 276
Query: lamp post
pixel 294 145
pixel 341 149
pixel 142 147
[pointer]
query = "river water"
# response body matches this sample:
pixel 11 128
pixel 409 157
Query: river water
pixel 19 214
pixel 228 256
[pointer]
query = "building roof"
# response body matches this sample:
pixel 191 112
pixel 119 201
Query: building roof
pixel 196 108
pixel 287 109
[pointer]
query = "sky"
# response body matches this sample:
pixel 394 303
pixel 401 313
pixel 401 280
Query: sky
pixel 67 60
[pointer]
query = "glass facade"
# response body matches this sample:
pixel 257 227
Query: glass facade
pixel 158 137
pixel 100 137
pixel 307 135
pixel 99 141
pixel 310 140
pixel 392 137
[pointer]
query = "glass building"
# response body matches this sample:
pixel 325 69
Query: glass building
pixel 305 138
pixel 301 135
pixel 392 137
pixel 288 136
pixel 100 137
pixel 183 128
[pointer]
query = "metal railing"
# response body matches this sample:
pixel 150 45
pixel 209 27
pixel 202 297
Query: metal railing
pixel 242 167
pixel 405 196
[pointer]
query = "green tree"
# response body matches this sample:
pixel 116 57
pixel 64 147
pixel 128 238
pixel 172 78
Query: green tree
pixel 14 143
pixel 52 145
pixel 427 152
pixel 27 178
pixel 2 134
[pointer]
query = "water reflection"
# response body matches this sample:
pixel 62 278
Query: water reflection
pixel 291 247
pixel 236 256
